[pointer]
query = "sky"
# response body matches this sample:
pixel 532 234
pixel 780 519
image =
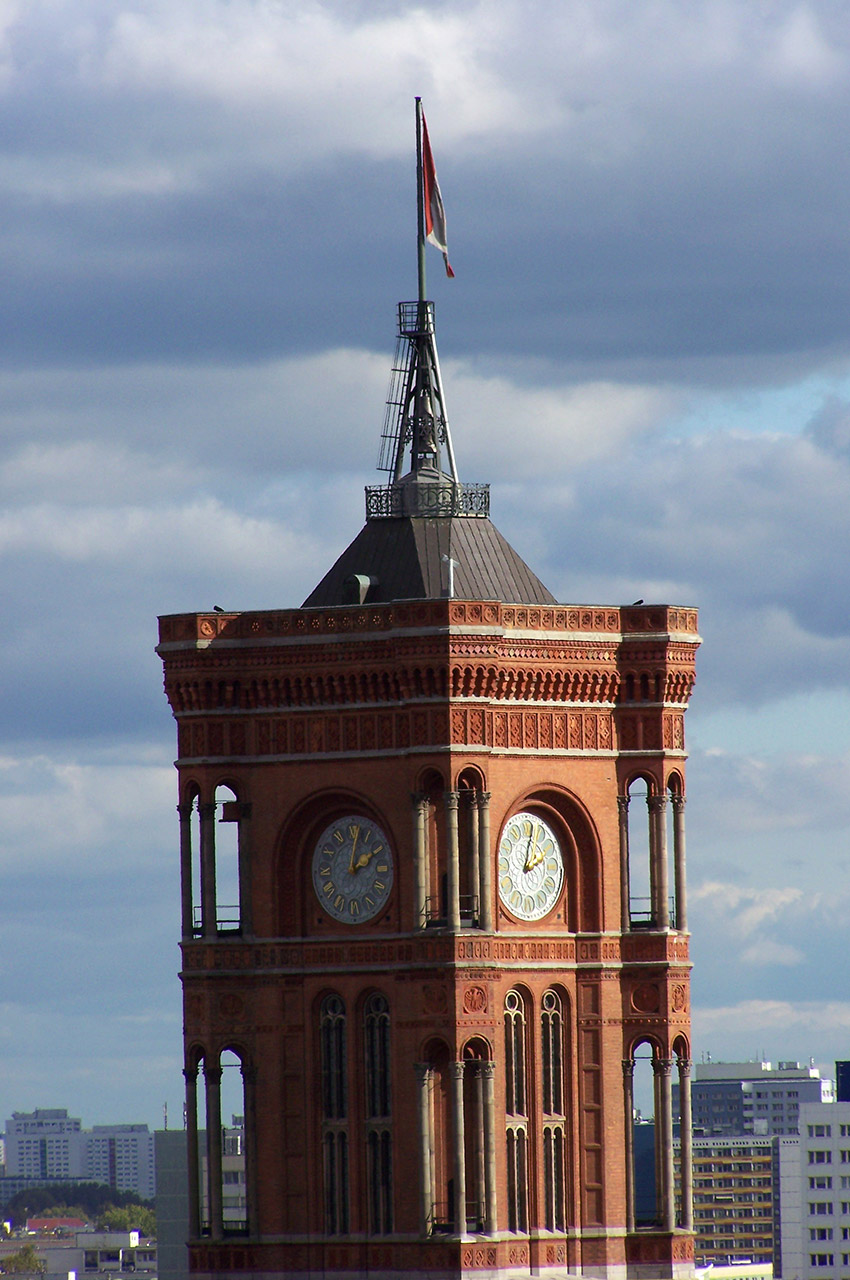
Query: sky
pixel 207 217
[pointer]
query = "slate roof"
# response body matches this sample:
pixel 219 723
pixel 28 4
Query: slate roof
pixel 404 556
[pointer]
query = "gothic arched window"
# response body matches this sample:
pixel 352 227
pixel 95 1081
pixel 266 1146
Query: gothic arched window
pixel 334 1064
pixel 379 1152
pixel 552 1039
pixel 516 1107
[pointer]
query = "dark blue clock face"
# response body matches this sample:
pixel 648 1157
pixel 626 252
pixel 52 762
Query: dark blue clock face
pixel 353 869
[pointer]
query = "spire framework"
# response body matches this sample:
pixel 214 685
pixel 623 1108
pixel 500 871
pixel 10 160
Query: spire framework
pixel 416 431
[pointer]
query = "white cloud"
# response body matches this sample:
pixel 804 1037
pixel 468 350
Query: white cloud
pixel 769 1016
pixel 744 909
pixel 767 952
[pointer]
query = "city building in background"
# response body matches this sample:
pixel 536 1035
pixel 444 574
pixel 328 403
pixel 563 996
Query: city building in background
pixel 48 1145
pixel 739 1098
pixel 814 1195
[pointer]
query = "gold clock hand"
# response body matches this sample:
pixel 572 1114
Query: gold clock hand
pixel 534 855
pixel 352 865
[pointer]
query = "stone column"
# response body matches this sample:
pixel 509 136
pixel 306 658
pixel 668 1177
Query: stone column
pixel 249 1091
pixel 485 862
pixel 480 1179
pixel 456 1074
pixel 246 913
pixel 420 857
pixel 187 915
pixel 190 1075
pixel 471 801
pixel 685 1145
pixel 212 1083
pixel 426 1187
pixel 625 890
pixel 658 857
pixel 629 1109
pixel 452 861
pixel 679 863
pixel 208 917
pixel 490 1206
pixel 664 1141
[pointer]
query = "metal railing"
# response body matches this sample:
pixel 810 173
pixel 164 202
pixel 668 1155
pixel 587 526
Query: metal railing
pixel 642 913
pixel 227 919
pixel 436 914
pixel 384 501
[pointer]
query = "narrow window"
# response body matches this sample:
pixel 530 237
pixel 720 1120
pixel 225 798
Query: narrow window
pixel 552 1033
pixel 334 1114
pixel 376 1039
pixel 516 1107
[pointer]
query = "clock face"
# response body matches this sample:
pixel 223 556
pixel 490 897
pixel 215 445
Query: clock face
pixel 531 867
pixel 352 869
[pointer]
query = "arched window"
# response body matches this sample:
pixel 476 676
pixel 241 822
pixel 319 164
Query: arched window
pixel 516 1107
pixel 334 1070
pixel 552 1036
pixel 379 1154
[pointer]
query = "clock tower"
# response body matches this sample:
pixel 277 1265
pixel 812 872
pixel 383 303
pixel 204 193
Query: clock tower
pixel 433 900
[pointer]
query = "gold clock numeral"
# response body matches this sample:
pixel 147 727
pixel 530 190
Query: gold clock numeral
pixel 353 831
pixel 379 886
pixel 339 902
pixel 339 836
pixel 327 853
pixel 329 889
pixel 324 871
pixel 354 907
pixel 382 870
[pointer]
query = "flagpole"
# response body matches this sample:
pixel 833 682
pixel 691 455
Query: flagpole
pixel 420 204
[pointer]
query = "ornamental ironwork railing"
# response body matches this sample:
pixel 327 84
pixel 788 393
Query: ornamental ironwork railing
pixel 423 499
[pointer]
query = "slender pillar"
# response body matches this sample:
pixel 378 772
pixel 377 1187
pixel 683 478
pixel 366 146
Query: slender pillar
pixel 453 861
pixel 490 1207
pixel 420 856
pixel 658 857
pixel 190 1075
pixel 480 1181
pixel 485 862
pixel 426 1187
pixel 208 917
pixel 685 1145
pixel 249 1091
pixel 471 801
pixel 664 1139
pixel 625 888
pixel 186 912
pixel 246 913
pixel 212 1084
pixel 456 1071
pixel 679 863
pixel 629 1109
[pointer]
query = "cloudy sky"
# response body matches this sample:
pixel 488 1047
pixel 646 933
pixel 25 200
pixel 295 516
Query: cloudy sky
pixel 206 220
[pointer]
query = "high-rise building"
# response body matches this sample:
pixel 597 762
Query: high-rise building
pixel 733 1196
pixel 50 1144
pixel 739 1098
pixel 443 927
pixel 814 1195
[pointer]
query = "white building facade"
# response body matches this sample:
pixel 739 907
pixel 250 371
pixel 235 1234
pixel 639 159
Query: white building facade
pixel 814 1195
pixel 51 1144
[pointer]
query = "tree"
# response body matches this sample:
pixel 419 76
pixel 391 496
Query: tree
pixel 130 1217
pixel 25 1262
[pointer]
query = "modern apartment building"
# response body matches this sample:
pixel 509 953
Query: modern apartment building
pixel 48 1144
pixel 737 1098
pixel 814 1196
pixel 733 1200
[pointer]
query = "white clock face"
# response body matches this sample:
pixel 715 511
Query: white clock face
pixel 352 869
pixel 531 867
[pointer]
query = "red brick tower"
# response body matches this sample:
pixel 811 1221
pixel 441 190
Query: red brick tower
pixel 453 930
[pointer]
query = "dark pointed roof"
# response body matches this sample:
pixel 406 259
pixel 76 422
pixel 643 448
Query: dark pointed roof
pixel 404 559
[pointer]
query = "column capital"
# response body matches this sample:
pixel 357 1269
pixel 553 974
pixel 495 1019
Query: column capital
pixel 488 1069
pixel 450 799
pixel 190 1074
pixel 470 797
pixel 185 810
pixel 662 1066
pixel 685 1065
pixel 628 1067
pixel 212 1072
pixel 623 803
pixel 248 1072
pixel 419 799
pixel 423 1072
pixel 483 799
pixel 678 802
pixel 207 809
pixel 657 803
pixel 456 1070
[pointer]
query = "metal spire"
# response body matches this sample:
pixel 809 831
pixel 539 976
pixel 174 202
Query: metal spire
pixel 416 428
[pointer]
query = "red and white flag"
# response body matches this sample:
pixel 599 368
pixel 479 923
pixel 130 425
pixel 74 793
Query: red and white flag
pixel 435 214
